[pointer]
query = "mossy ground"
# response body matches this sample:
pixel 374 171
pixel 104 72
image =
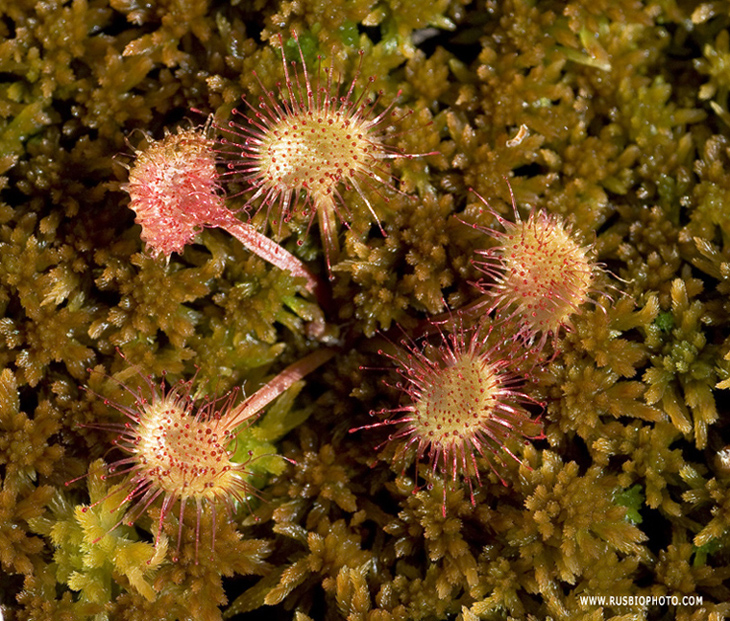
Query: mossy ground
pixel 624 106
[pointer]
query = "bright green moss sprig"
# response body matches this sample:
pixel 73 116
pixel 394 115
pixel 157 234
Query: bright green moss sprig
pixel 113 571
pixel 90 550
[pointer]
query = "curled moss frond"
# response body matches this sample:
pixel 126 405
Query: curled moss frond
pixel 320 476
pixel 443 538
pixel 410 268
pixel 42 277
pixel 703 493
pixel 155 296
pixel 678 576
pixel 715 65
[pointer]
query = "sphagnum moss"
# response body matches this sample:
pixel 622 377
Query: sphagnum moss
pixel 622 111
pixel 681 376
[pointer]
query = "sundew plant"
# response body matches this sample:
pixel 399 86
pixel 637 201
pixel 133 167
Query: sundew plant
pixel 467 361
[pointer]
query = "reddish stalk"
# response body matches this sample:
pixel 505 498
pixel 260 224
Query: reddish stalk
pixel 174 191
